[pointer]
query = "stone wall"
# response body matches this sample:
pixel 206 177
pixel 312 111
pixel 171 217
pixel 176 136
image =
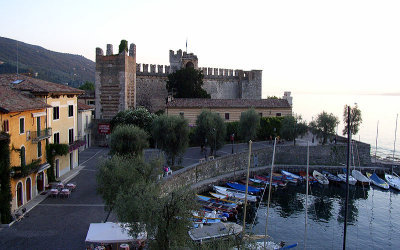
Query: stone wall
pixel 151 92
pixel 328 155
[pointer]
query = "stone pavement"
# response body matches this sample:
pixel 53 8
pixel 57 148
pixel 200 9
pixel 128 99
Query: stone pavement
pixel 61 223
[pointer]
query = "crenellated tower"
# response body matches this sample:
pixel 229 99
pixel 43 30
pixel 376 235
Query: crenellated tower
pixel 115 81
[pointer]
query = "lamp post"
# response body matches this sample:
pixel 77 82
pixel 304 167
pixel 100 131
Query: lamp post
pixel 233 140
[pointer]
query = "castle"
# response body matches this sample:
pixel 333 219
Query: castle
pixel 121 83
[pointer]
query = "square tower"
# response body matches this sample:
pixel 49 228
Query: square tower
pixel 115 81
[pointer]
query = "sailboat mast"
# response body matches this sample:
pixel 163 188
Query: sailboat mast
pixel 394 144
pixel 269 194
pixel 376 140
pixel 347 176
pixel 247 189
pixel 305 220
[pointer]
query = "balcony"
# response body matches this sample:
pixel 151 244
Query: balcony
pixel 37 136
pixel 78 142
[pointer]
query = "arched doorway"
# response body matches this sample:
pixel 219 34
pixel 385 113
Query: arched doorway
pixel 189 65
pixel 20 197
pixel 39 182
pixel 28 188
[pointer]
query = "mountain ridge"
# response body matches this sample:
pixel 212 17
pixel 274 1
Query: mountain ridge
pixel 49 65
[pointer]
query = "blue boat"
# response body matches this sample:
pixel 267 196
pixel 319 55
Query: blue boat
pixel 377 181
pixel 290 175
pixel 242 187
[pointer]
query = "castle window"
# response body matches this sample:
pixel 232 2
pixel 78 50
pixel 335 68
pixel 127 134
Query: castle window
pixel 226 116
pixel 278 114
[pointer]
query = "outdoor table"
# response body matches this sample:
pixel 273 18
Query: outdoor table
pixel 65 192
pixel 124 246
pixel 60 185
pixel 54 192
pixel 71 186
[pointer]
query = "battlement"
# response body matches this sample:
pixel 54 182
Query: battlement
pixel 154 69
pixel 230 73
pixel 110 51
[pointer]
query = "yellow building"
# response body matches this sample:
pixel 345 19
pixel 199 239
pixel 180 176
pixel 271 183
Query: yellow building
pixel 62 116
pixel 229 109
pixel 23 117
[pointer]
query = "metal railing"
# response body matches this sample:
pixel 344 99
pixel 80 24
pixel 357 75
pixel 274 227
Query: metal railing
pixel 37 136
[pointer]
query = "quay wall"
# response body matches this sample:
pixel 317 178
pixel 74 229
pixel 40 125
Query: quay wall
pixel 292 158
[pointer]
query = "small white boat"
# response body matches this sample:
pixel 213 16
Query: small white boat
pixel 377 181
pixel 214 231
pixel 320 178
pixel 352 180
pixel 362 179
pixel 393 181
pixel 230 192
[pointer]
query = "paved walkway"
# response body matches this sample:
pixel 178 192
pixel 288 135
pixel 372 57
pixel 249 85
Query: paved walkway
pixel 61 223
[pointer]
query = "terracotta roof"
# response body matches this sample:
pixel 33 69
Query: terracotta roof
pixel 227 103
pixel 12 100
pixel 37 86
pixel 83 106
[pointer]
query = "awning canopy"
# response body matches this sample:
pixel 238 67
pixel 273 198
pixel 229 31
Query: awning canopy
pixel 110 232
pixel 38 114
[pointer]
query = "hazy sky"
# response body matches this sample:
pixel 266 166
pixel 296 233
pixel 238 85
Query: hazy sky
pixel 302 46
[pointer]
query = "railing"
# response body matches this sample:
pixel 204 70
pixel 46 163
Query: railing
pixel 37 136
pixel 78 142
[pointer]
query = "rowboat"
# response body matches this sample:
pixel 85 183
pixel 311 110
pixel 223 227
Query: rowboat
pixel 227 198
pixel 320 178
pixel 218 207
pixel 362 179
pixel 352 180
pixel 332 178
pixel 393 181
pixel 242 187
pixel 234 193
pixel 275 182
pixel 283 178
pixel 291 175
pixel 311 178
pixel 377 181
pixel 214 231
pixel 216 200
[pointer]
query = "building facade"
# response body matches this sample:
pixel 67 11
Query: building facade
pixel 23 117
pixel 229 109
pixel 122 83
pixel 61 115
pixel 85 124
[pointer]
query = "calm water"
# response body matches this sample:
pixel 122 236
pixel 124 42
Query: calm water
pixel 373 107
pixel 373 222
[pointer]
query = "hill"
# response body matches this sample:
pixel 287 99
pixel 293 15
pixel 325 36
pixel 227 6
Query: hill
pixel 49 65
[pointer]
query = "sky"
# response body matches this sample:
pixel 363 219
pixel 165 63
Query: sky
pixel 304 46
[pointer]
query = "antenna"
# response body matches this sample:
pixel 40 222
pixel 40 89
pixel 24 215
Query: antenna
pixel 186 44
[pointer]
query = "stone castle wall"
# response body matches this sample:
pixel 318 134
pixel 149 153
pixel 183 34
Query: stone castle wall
pixel 322 155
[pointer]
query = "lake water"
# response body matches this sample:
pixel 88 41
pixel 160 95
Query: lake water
pixel 374 108
pixel 373 222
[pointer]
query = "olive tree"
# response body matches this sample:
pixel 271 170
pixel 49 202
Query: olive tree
pixel 210 130
pixel 171 134
pixel 249 124
pixel 355 119
pixel 292 127
pixel 131 188
pixel 128 140
pixel 140 117
pixel 324 126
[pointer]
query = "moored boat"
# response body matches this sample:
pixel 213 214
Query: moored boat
pixel 320 178
pixel 242 187
pixel 311 178
pixel 352 180
pixel 291 175
pixel 331 177
pixel 226 197
pixel 393 181
pixel 377 181
pixel 361 179
pixel 216 200
pixel 230 192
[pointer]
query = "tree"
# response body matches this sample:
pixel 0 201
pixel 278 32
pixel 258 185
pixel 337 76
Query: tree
pixel 139 117
pixel 123 46
pixel 249 124
pixel 210 130
pixel 5 186
pixel 129 186
pixel 87 86
pixel 128 140
pixel 292 127
pixel 324 126
pixel 355 119
pixel 171 134
pixel 269 127
pixel 187 83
